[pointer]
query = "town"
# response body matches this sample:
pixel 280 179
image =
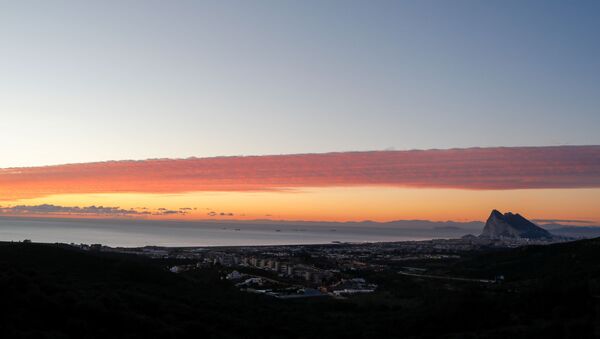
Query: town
pixel 306 271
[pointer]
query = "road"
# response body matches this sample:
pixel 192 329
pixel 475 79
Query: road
pixel 442 277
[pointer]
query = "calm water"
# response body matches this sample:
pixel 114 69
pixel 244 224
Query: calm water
pixel 128 233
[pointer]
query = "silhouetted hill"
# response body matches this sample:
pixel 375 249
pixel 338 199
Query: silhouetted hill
pixel 510 225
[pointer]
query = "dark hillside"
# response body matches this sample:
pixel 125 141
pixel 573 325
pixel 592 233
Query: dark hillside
pixel 57 291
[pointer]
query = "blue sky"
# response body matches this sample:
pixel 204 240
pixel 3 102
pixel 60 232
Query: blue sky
pixel 91 81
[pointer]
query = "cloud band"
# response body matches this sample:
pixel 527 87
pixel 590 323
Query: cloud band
pixel 473 168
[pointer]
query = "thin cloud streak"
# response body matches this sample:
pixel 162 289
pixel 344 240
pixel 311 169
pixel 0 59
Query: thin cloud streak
pixel 474 169
pixel 100 211
pixel 49 209
pixel 557 221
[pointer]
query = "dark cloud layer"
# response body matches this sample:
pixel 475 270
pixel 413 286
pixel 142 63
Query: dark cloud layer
pixel 553 221
pixel 55 209
pixel 49 209
pixel 474 168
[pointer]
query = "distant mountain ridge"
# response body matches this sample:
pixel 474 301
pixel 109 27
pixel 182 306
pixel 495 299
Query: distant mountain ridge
pixel 509 225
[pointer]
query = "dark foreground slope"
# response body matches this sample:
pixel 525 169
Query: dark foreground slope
pixel 59 291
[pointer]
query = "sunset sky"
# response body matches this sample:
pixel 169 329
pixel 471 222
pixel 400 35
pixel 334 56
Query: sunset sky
pixel 336 110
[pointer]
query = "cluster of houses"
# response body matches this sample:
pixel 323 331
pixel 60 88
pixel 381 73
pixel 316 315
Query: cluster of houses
pixel 343 287
pixel 283 268
pixel 299 280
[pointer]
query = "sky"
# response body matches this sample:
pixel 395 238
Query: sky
pixel 100 81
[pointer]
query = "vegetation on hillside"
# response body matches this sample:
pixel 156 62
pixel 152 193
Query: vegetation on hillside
pixel 58 291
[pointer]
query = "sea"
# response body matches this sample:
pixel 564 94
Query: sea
pixel 138 233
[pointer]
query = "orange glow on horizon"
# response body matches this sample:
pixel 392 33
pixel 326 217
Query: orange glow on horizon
pixel 340 204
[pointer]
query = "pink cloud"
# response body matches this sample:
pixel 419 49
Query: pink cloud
pixel 473 168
